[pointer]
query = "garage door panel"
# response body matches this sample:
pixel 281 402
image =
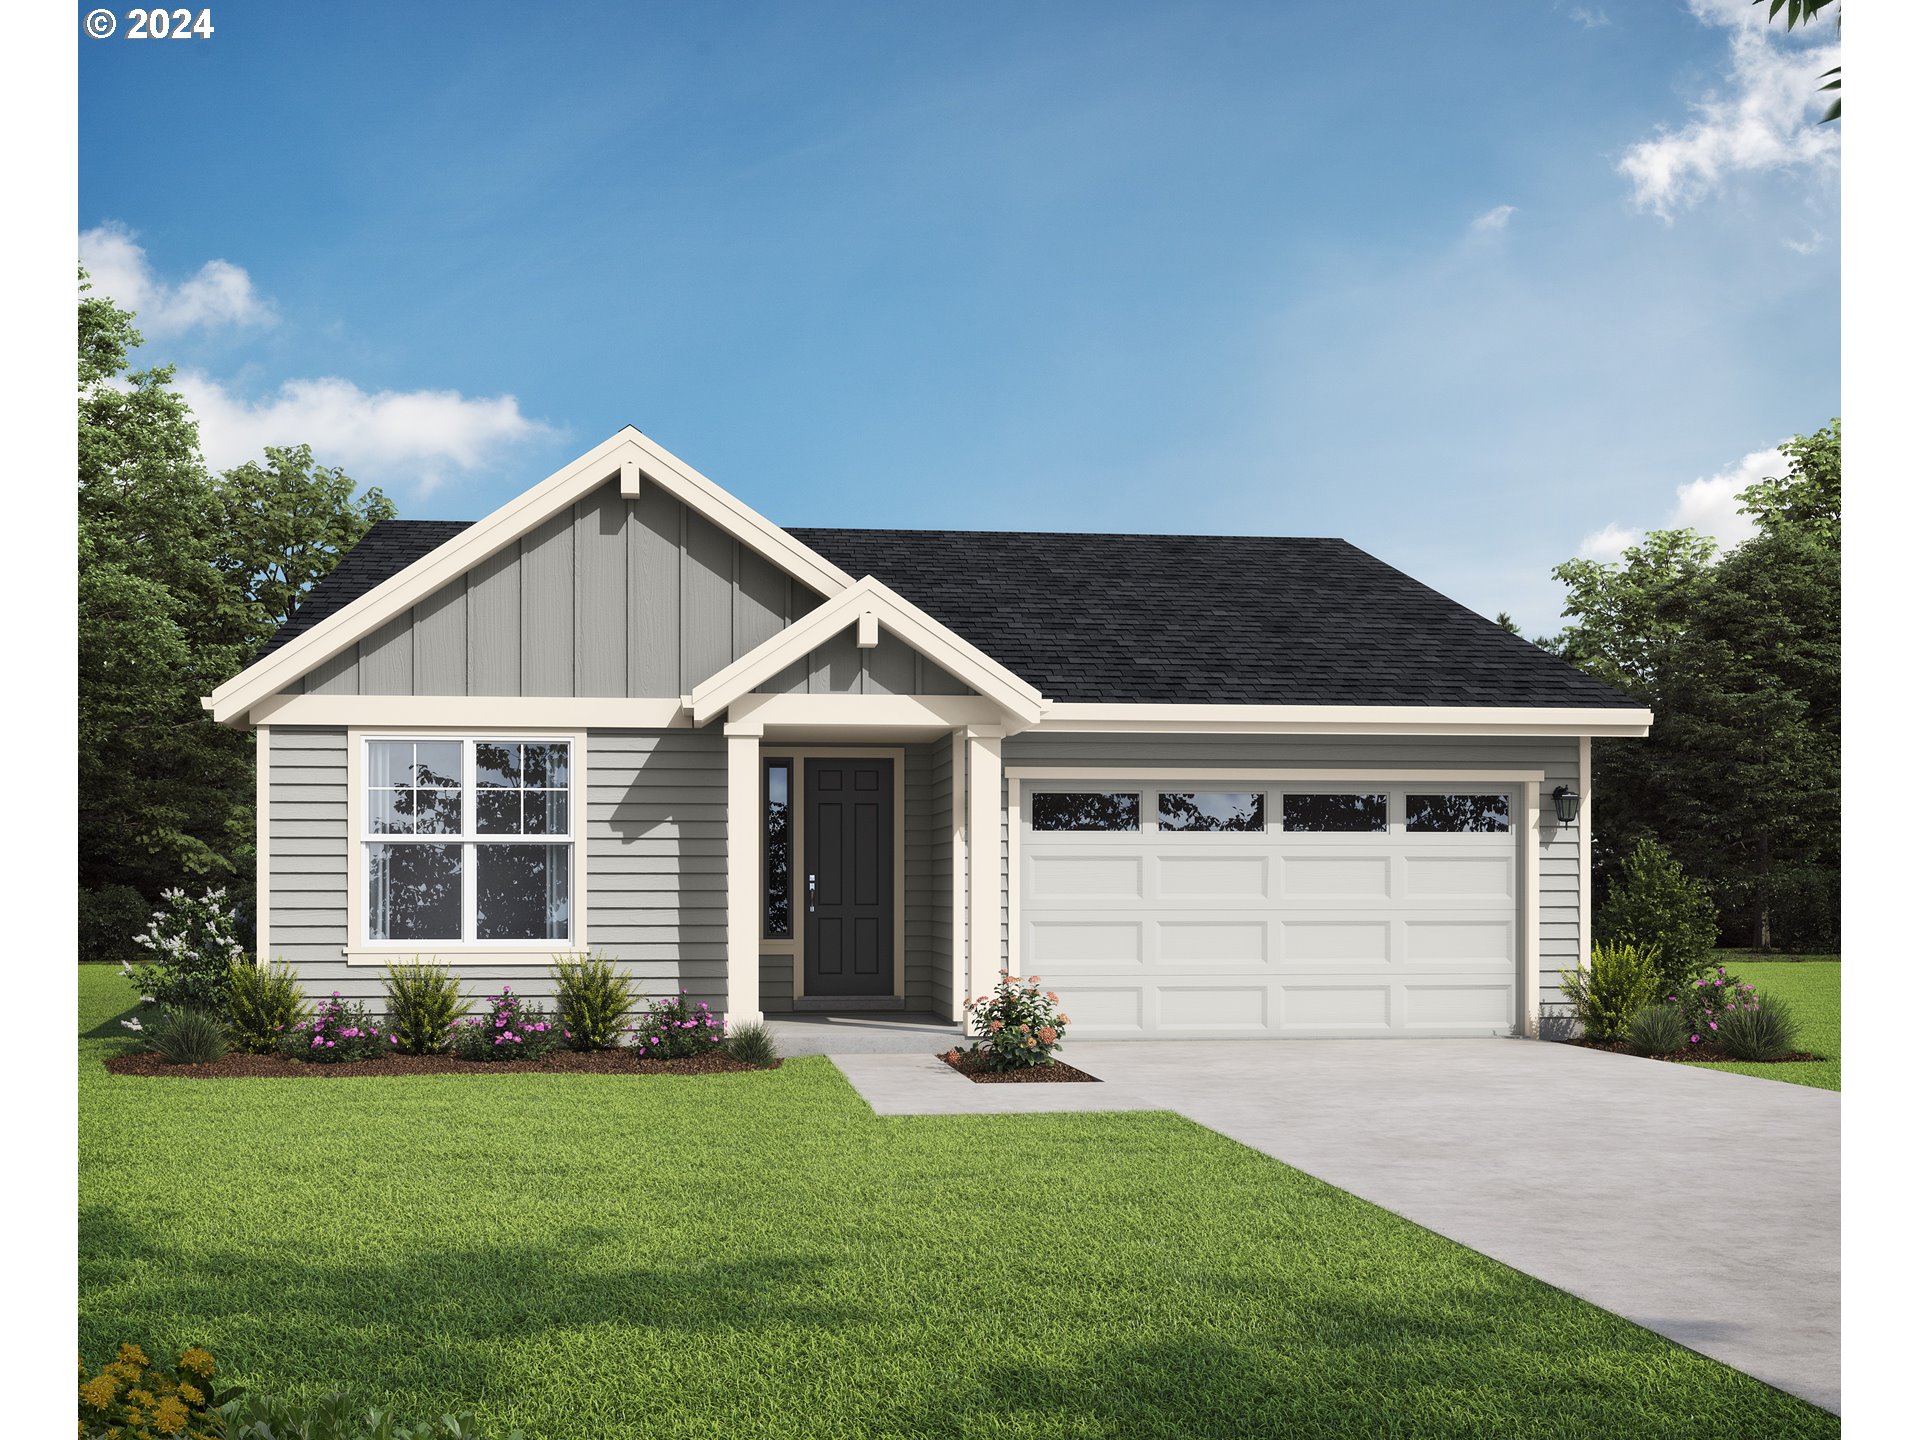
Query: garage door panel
pixel 1087 877
pixel 1212 942
pixel 1199 1008
pixel 1084 942
pixel 1335 1007
pixel 1213 876
pixel 1336 942
pixel 1454 941
pixel 1453 1006
pixel 1096 1010
pixel 1473 878
pixel 1345 878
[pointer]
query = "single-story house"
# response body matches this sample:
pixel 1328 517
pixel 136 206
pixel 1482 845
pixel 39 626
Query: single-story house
pixel 1202 785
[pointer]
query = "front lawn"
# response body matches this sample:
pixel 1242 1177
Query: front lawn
pixel 1812 987
pixel 759 1255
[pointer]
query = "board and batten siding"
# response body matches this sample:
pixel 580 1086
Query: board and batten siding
pixel 655 859
pixel 617 598
pixel 1557 756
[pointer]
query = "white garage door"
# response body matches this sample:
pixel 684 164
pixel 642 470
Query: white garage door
pixel 1262 908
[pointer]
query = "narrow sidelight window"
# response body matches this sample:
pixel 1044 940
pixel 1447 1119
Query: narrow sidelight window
pixel 1086 810
pixel 779 855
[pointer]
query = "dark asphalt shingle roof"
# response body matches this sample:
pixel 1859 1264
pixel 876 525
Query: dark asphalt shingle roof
pixel 1174 619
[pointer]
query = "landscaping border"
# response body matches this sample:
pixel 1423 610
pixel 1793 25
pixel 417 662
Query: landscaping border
pixel 1056 1072
pixel 623 1061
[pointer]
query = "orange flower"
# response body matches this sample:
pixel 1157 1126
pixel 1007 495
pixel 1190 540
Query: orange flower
pixel 1048 1034
pixel 1033 1044
pixel 1062 1019
pixel 1033 979
pixel 996 1025
pixel 1053 997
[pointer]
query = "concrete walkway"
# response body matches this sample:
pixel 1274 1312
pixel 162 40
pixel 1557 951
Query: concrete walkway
pixel 1702 1205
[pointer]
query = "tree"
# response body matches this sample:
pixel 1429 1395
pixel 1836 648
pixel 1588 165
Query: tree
pixel 1739 660
pixel 182 576
pixel 1803 12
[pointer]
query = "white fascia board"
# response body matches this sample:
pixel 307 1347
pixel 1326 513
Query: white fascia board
pixel 899 616
pixel 1343 719
pixel 625 456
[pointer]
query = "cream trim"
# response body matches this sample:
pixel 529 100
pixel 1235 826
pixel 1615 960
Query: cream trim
pixel 1586 851
pixel 743 898
pixel 627 452
pixel 957 898
pixel 900 617
pixel 262 846
pixel 1342 720
pixel 360 951
pixel 863 712
pixel 1530 916
pixel 1239 772
pixel 471 712
pixel 985 807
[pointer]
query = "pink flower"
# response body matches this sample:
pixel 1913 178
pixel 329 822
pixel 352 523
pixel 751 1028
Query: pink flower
pixel 1713 1025
pixel 1696 1039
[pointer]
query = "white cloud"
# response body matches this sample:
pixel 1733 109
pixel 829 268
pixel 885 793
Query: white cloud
pixel 1492 221
pixel 1710 505
pixel 1588 17
pixel 219 294
pixel 1806 246
pixel 412 439
pixel 1766 119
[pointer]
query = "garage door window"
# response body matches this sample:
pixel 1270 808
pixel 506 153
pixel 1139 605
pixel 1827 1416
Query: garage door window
pixel 1341 814
pixel 1086 810
pixel 1213 810
pixel 1457 814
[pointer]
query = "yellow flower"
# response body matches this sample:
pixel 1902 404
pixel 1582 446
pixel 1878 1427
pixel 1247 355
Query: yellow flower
pixel 198 1361
pixel 190 1394
pixel 170 1417
pixel 134 1355
pixel 139 1397
pixel 99 1391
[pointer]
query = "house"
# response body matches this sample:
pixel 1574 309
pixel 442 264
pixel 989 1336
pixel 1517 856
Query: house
pixel 1203 785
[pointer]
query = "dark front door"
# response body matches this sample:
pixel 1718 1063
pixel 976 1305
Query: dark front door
pixel 847 887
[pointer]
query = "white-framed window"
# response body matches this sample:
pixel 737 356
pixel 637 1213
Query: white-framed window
pixel 468 841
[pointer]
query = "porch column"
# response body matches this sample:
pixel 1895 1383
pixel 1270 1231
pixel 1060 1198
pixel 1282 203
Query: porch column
pixel 983 857
pixel 1530 918
pixel 744 836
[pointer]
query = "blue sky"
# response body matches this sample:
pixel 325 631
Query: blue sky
pixel 1472 293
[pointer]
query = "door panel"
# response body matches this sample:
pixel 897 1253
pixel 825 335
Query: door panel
pixel 848 883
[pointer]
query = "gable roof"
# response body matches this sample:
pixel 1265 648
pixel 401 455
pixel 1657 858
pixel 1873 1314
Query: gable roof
pixel 1149 619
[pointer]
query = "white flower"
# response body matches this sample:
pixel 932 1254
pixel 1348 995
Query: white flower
pixel 146 1000
pixel 132 1024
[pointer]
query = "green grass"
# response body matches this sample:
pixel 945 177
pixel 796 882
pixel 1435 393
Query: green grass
pixel 759 1255
pixel 1811 985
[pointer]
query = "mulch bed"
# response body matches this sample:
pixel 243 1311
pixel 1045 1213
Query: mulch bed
pixel 1057 1072
pixel 1692 1055
pixel 559 1062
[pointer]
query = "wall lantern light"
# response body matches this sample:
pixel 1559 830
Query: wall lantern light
pixel 1566 804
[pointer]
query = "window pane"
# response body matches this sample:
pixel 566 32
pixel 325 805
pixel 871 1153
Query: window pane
pixel 436 763
pixel 496 812
pixel 1334 813
pixel 1213 810
pixel 520 892
pixel 545 765
pixel 496 764
pixel 389 764
pixel 1457 814
pixel 413 892
pixel 390 812
pixel 1086 810
pixel 546 812
pixel 779 862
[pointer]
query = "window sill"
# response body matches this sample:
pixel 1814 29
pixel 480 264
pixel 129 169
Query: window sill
pixel 461 957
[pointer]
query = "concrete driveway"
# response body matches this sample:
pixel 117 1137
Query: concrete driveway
pixel 1702 1205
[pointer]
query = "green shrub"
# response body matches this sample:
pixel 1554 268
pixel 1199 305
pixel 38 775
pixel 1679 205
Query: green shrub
pixel 192 945
pixel 678 1028
pixel 263 1003
pixel 592 1001
pixel 1657 1030
pixel 186 1037
pixel 510 1029
pixel 1016 1026
pixel 423 1006
pixel 337 1032
pixel 753 1045
pixel 134 1398
pixel 1762 1030
pixel 1619 983
pixel 109 919
pixel 1655 906
pixel 335 1417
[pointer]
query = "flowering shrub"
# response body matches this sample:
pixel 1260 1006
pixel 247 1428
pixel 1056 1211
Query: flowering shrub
pixel 132 1398
pixel 194 944
pixel 509 1029
pixel 592 1000
pixel 676 1029
pixel 263 1003
pixel 423 1006
pixel 1017 1025
pixel 1705 1003
pixel 338 1031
